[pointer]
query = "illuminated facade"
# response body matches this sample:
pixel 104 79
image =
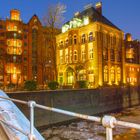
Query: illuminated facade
pixel 25 51
pixel 132 60
pixel 90 48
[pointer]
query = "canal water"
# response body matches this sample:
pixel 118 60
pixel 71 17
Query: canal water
pixel 87 130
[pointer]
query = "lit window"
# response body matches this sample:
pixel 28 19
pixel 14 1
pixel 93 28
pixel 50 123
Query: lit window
pixel 133 69
pixel 105 54
pixel 112 74
pixel 66 55
pixel 105 74
pixel 90 37
pixel 14 59
pixel 119 74
pixel 15 28
pixel 61 56
pixel 83 55
pixel 14 50
pixel 91 78
pixel 70 40
pixel 86 20
pixel 8 42
pixel 15 43
pixel 75 55
pixel 75 39
pixel 9 28
pixel 83 38
pixel 111 40
pixel 128 79
pixel 70 56
pixel 91 53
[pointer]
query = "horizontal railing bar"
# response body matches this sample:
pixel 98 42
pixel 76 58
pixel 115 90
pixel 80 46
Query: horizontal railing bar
pixel 15 100
pixel 92 118
pixel 14 127
pixel 87 117
pixel 128 124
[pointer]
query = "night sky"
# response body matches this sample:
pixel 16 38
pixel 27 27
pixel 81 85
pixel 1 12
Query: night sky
pixel 123 13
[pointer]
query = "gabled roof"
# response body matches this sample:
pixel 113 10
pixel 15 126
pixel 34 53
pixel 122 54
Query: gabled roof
pixel 94 15
pixel 33 17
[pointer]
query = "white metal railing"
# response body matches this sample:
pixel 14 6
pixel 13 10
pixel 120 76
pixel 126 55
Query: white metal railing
pixel 109 122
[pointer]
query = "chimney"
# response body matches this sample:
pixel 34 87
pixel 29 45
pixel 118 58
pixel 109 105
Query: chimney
pixel 98 7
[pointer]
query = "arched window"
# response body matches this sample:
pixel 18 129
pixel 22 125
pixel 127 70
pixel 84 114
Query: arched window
pixel 75 40
pixel 83 38
pixel 90 37
pixel 112 74
pixel 75 55
pixel 83 55
pixel 106 74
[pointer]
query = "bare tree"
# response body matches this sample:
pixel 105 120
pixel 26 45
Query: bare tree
pixel 53 19
pixel 55 15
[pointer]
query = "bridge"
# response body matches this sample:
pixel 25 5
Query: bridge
pixel 109 122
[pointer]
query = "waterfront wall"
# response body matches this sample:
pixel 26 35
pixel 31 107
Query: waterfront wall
pixel 86 101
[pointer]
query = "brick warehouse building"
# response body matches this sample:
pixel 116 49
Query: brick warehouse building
pixel 92 48
pixel 25 51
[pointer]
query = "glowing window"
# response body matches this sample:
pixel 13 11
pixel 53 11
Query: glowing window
pixel 83 55
pixel 119 74
pixel 14 58
pixel 66 55
pixel 61 56
pixel 14 50
pixel 70 40
pixel 75 55
pixel 105 74
pixel 90 38
pixel 83 38
pixel 112 74
pixel 91 53
pixel 75 40
pixel 70 56
pixel 15 28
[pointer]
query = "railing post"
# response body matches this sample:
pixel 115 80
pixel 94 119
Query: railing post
pixel 31 104
pixel 109 123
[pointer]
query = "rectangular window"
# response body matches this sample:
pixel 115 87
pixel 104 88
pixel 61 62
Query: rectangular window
pixel 61 56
